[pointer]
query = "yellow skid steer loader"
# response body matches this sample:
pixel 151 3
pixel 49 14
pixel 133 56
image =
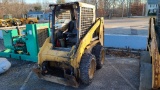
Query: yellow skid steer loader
pixel 72 55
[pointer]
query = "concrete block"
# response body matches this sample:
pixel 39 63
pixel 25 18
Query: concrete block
pixel 123 41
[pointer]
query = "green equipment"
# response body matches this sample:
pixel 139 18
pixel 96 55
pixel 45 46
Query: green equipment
pixel 24 43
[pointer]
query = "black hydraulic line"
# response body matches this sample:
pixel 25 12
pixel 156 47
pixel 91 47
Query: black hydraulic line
pixel 53 27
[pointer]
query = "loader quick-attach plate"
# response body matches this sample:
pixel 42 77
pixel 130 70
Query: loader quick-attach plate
pixel 68 80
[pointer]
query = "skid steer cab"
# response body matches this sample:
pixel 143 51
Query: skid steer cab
pixel 75 50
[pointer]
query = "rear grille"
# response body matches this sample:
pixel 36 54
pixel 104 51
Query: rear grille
pixel 86 20
pixel 42 36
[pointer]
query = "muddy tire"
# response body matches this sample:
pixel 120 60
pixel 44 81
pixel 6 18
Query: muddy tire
pixel 87 68
pixel 45 68
pixel 99 53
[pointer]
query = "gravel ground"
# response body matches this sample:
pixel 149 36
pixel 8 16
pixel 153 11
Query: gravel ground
pixel 16 75
pixel 118 73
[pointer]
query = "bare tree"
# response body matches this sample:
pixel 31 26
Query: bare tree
pixel 16 7
pixel 90 1
pixel 45 5
pixel 37 7
pixel 60 1
pixel 85 1
pixel 105 8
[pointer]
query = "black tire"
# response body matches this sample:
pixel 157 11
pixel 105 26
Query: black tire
pixel 87 68
pixel 31 22
pixel 45 68
pixel 99 53
pixel 14 23
pixel 147 48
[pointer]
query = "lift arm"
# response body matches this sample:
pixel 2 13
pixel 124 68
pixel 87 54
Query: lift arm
pixel 99 26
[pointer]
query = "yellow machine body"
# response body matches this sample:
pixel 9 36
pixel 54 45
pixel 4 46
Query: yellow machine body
pixel 70 59
pixel 3 23
pixel 28 20
pixel 11 21
pixel 47 53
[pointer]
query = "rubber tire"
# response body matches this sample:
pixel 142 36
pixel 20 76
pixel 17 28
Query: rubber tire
pixel 14 23
pixel 45 67
pixel 85 66
pixel 97 51
pixel 31 22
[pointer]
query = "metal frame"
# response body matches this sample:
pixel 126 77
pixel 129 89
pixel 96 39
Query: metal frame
pixel 153 47
pixel 79 10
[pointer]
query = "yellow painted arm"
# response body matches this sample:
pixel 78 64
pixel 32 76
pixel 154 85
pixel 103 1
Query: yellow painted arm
pixel 86 41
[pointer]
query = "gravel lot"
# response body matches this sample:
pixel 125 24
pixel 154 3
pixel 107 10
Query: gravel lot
pixel 118 73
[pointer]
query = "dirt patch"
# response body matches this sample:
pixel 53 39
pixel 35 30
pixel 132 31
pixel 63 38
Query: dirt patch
pixel 123 53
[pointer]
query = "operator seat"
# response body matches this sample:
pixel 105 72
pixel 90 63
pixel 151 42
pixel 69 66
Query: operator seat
pixel 71 26
pixel 71 34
